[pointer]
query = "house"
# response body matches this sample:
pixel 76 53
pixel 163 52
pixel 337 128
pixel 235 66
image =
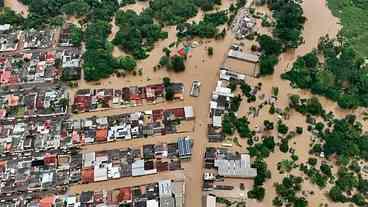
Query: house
pixel 71 64
pixel 249 57
pixel 188 112
pixel 138 168
pixel 228 75
pixel 125 195
pixel 82 103
pixel 210 201
pixel 86 197
pixel 154 91
pixel 101 135
pixel 9 40
pixel 165 193
pixel 185 147
pixel 87 175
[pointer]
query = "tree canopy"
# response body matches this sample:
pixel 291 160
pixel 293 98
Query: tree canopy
pixel 137 33
pixel 342 77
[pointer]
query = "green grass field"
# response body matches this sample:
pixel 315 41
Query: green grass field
pixel 354 18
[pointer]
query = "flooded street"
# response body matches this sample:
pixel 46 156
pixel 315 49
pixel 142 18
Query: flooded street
pixel 205 69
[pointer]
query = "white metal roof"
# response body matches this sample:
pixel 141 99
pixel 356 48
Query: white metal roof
pixel 210 201
pixel 188 111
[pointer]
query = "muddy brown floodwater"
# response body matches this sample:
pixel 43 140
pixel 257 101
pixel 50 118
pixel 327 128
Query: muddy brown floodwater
pixel 205 69
pixel 319 23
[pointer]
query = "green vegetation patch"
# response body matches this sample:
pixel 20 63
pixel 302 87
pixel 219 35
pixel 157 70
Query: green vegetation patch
pixel 289 18
pixel 172 12
pixel 287 192
pixel 137 33
pixel 8 16
pixel 207 28
pixel 354 18
pixel 342 77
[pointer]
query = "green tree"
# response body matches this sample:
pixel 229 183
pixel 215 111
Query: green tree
pixel 235 103
pixel 127 63
pixel 282 128
pixel 8 16
pixel 311 59
pixel 337 195
pixel 262 172
pixel 242 125
pixel 257 192
pixel 76 35
pixel 269 46
pixel 359 199
pixel 171 11
pixel 348 102
pixel 210 51
pixel 312 161
pixel 284 146
pixel 76 8
pixel 326 169
pixel 177 63
pixel 267 64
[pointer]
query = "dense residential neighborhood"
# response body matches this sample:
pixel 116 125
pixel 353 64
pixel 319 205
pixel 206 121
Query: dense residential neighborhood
pixel 197 103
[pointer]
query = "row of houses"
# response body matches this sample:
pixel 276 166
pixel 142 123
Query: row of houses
pixel 13 39
pixel 53 172
pixel 27 136
pixel 127 126
pixel 164 193
pixel 55 133
pixel 38 39
pixel 220 102
pixel 33 102
pixel 87 100
pixel 40 66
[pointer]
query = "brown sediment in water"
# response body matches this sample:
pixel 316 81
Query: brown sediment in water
pixel 205 69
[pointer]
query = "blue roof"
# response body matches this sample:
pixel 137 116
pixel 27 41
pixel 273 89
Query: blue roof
pixel 185 147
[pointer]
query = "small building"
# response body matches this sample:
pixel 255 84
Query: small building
pixel 101 135
pixel 166 194
pixel 185 147
pixel 86 197
pixel 210 201
pixel 249 57
pixel 236 168
pixel 228 75
pixel 125 195
pixel 138 168
pixel 188 112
